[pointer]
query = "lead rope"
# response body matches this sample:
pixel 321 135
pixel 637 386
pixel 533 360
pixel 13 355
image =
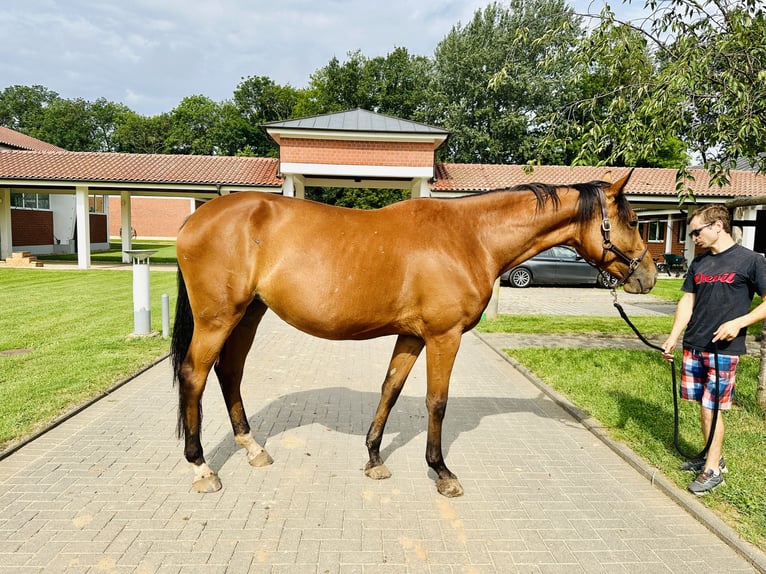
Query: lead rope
pixel 676 441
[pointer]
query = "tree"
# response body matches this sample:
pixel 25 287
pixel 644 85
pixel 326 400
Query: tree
pixel 67 124
pixel 357 198
pixel 106 116
pixel 398 83
pixel 194 127
pixel 708 88
pixel 258 100
pixel 340 86
pixel 501 125
pixel 624 61
pixel 138 134
pixel 395 84
pixel 21 106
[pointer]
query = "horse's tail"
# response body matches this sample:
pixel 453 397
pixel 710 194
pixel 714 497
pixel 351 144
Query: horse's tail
pixel 183 329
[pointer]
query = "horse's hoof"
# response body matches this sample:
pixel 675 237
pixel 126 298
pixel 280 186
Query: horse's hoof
pixel 261 459
pixel 449 487
pixel 209 483
pixel 379 472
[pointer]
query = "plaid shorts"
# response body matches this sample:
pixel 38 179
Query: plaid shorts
pixel 698 378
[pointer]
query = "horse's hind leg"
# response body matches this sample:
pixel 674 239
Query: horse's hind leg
pixel 203 351
pixel 405 354
pixel 229 370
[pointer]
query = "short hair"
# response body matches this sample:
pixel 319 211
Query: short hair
pixel 711 214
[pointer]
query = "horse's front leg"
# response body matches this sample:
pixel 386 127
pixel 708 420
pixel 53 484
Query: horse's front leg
pixel 229 369
pixel 405 354
pixel 440 357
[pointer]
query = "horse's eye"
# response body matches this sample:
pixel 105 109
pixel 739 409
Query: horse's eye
pixel 633 223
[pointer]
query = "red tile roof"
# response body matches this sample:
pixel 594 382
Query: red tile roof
pixel 16 140
pixel 484 177
pixel 452 177
pixel 94 167
pixel 650 181
pixel 139 168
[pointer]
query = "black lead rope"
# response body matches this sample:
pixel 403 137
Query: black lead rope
pixel 676 441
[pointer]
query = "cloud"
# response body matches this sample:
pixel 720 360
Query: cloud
pixel 150 55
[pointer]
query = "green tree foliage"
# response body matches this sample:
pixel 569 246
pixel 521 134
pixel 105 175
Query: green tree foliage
pixel 501 125
pixel 21 107
pixel 340 86
pixel 106 117
pixel 357 198
pixel 194 127
pixel 399 83
pixel 75 125
pixel 601 87
pixel 140 134
pixel 68 124
pixel 258 100
pixel 395 84
pixel 707 87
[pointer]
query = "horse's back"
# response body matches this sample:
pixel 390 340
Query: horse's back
pixel 333 272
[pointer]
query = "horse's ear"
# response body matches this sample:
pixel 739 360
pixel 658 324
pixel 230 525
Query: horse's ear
pixel 619 185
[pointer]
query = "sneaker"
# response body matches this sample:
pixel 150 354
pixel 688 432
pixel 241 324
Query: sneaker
pixel 705 482
pixel 698 465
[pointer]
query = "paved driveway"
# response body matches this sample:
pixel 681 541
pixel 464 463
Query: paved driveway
pixel 578 301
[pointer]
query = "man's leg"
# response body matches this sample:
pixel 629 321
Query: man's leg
pixel 716 446
pixel 719 387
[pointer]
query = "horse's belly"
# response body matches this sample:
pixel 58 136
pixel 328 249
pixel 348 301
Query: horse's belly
pixel 337 316
pixel 337 326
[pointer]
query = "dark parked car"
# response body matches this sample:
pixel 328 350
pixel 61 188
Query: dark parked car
pixel 559 265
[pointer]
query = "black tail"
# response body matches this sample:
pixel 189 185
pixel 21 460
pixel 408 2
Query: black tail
pixel 183 329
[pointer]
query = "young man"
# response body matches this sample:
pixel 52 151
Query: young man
pixel 715 313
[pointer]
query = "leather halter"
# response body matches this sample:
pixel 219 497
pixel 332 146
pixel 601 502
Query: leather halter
pixel 608 246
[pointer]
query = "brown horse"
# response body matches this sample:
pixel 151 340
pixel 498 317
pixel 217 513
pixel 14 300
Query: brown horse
pixel 422 269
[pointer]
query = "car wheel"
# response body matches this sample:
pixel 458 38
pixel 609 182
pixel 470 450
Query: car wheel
pixel 606 280
pixel 520 277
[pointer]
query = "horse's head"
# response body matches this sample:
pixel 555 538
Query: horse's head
pixel 610 237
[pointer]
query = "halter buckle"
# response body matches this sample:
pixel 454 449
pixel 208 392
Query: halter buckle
pixel 606 225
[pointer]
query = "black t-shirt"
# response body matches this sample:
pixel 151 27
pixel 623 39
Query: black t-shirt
pixel 723 285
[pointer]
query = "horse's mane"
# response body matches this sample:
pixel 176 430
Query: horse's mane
pixel 588 206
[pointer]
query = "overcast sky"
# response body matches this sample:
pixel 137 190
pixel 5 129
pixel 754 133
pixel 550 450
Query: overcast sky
pixel 150 54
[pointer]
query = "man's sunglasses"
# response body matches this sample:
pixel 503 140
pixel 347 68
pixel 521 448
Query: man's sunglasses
pixel 696 232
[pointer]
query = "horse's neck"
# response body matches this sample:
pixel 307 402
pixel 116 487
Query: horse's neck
pixel 515 229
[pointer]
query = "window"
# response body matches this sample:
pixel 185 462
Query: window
pixel 564 252
pixel 31 200
pixel 656 231
pixel 96 204
pixel 680 225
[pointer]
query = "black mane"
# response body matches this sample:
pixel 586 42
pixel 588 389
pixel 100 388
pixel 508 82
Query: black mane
pixel 588 206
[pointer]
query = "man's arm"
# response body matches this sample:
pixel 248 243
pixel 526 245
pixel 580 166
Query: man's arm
pixel 680 321
pixel 730 329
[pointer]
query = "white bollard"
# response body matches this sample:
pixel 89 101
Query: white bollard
pixel 165 315
pixel 494 301
pixel 142 306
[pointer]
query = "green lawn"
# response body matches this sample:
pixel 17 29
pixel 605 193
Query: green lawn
pixel 629 393
pixel 75 325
